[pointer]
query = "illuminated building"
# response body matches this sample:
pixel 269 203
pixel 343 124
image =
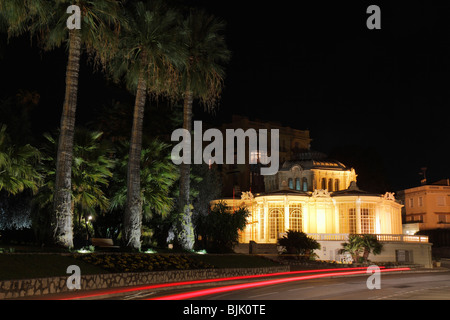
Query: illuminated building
pixel 320 197
pixel 427 207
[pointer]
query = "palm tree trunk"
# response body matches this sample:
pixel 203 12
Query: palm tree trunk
pixel 62 204
pixel 133 210
pixel 185 232
pixel 185 167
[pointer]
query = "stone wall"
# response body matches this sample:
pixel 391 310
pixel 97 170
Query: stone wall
pixel 42 286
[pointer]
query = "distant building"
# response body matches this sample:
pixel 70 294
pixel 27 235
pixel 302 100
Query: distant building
pixel 245 177
pixel 426 207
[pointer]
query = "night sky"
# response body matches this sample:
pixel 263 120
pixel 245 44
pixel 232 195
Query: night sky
pixel 309 66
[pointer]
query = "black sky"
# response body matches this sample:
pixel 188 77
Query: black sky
pixel 318 67
pixel 311 66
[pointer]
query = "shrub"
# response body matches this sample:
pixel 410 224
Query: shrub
pixel 221 227
pixel 141 262
pixel 296 242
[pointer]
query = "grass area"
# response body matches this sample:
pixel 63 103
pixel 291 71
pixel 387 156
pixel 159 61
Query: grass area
pixel 28 266
pixel 35 265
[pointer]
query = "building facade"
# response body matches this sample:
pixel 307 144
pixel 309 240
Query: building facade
pixel 244 177
pixel 320 197
pixel 320 212
pixel 427 207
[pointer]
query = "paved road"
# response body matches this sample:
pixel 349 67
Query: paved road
pixel 399 286
pixel 422 286
pixel 394 286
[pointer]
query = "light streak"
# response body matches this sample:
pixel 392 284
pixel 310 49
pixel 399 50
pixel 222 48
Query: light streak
pixel 194 282
pixel 204 292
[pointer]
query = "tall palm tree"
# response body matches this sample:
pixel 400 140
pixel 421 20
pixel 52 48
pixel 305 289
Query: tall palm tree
pixel 91 175
pixel 147 57
pixel 157 176
pixel 202 79
pixel 48 21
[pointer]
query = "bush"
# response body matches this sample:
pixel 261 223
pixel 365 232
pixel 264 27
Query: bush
pixel 220 228
pixel 296 242
pixel 141 262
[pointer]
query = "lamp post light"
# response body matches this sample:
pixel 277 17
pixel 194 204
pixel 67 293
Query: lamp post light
pixel 89 218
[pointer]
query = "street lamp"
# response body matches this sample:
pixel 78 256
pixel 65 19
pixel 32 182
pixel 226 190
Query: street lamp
pixel 89 218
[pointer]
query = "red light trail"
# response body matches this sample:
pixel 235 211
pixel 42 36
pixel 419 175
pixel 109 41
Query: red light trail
pixel 184 283
pixel 204 292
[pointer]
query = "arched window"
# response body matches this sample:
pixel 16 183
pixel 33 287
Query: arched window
pixel 324 183
pixel 297 184
pixel 295 217
pixel 305 184
pixel 276 222
pixel 291 183
pixel 330 185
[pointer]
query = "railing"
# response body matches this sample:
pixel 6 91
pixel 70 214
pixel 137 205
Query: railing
pixel 380 237
pixel 402 238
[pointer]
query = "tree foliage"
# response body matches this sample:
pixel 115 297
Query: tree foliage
pixel 17 165
pixel 221 227
pixel 296 242
pixel 364 244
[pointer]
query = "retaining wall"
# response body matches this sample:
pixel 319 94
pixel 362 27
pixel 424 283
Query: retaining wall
pixel 42 286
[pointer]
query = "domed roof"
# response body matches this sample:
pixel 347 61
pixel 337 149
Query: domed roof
pixel 313 160
pixel 353 190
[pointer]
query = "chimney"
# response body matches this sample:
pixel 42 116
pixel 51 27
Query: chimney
pixel 423 172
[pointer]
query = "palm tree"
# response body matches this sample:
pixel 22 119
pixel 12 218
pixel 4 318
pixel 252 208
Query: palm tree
pixel 147 56
pixel 17 165
pixel 157 177
pixel 91 174
pixel 354 246
pixel 47 20
pixel 370 244
pixel 296 242
pixel 202 79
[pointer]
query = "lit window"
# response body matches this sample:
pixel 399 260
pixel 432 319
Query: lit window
pixel 336 185
pixel 297 184
pixel 276 221
pixel 367 218
pixel 295 217
pixel 291 183
pixel 347 218
pixel 330 185
pixel 305 184
pixel 257 156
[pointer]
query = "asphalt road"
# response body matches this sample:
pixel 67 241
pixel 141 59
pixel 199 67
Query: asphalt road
pixel 398 286
pixel 417 286
pixel 404 285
